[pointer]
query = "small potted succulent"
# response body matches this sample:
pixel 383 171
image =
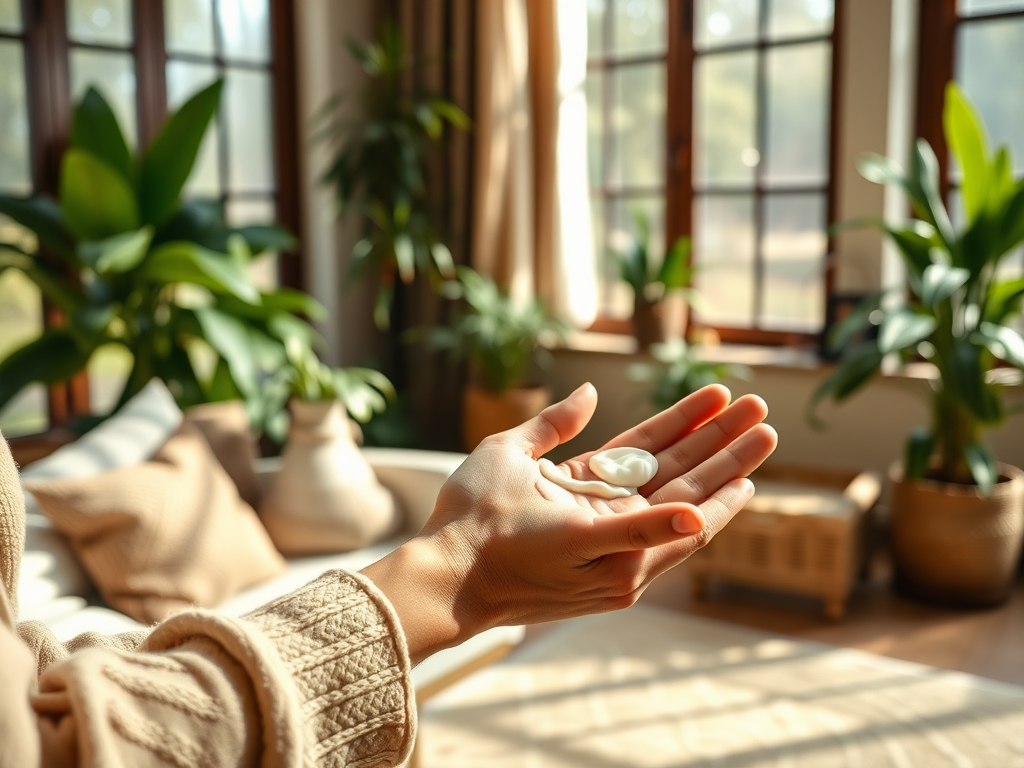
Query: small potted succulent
pixel 957 514
pixel 653 281
pixel 502 340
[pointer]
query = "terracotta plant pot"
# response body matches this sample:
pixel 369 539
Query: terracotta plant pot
pixel 952 545
pixel 486 413
pixel 648 323
pixel 326 497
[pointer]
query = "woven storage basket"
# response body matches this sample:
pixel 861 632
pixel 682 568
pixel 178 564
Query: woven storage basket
pixel 804 532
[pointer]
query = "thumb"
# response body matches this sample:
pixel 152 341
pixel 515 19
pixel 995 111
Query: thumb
pixel 556 424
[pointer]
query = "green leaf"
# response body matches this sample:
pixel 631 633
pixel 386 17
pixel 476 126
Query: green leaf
pixel 858 319
pixel 117 254
pixel 405 257
pixel 95 129
pixel 53 357
pixel 451 113
pixel 95 200
pixel 983 467
pixel 675 270
pixel 296 302
pixel 443 259
pixel 855 368
pixel 904 328
pixel 382 307
pixel 967 378
pixel 1002 299
pixel 268 238
pixel 167 162
pixel 229 338
pixel 940 281
pixel 920 447
pixel 925 176
pixel 54 285
pixel 1003 342
pixel 42 216
pixel 967 142
pixel 183 262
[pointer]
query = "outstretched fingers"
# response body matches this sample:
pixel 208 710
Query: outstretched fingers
pixel 658 432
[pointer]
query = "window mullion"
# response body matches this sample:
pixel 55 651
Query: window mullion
pixel 150 67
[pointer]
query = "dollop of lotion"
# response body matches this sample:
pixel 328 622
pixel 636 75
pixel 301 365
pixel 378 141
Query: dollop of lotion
pixel 622 471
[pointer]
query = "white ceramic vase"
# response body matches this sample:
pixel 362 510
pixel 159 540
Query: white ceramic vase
pixel 326 497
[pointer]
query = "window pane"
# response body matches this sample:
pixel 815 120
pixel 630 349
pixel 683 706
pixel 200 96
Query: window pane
pixel 639 27
pixel 622 230
pixel 183 80
pixel 725 22
pixel 245 29
pixel 725 119
pixel 262 270
pixel 189 26
pixel 595 126
pixel 250 128
pixel 724 257
pixel 799 18
pixel 15 176
pixel 798 79
pixel 990 55
pixel 108 371
pixel 794 248
pixel 113 74
pixel 10 15
pixel 595 26
pixel 638 125
pixel 100 21
pixel 969 7
pixel 21 320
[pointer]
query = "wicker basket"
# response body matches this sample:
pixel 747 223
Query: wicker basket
pixel 804 532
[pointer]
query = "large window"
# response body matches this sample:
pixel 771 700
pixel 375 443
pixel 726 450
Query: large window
pixel 713 118
pixel 145 56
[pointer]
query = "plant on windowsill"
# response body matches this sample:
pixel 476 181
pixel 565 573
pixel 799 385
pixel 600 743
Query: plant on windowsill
pixel 128 263
pixel 680 370
pixel 653 283
pixel 957 514
pixel 503 340
pixel 380 166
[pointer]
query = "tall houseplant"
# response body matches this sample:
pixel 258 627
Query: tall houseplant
pixel 501 339
pixel 958 515
pixel 652 282
pixel 379 169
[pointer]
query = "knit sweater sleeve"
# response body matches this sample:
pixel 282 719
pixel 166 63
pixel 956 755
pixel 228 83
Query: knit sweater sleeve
pixel 319 677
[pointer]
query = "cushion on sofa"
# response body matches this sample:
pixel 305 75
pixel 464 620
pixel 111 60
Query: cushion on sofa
pixel 164 534
pixel 226 428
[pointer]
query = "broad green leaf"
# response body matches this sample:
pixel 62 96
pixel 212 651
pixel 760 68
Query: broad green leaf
pixel 983 467
pixel 89 323
pixel 53 357
pixel 920 447
pixel 1011 219
pixel 117 254
pixel 95 200
pixel 915 244
pixel 675 270
pixel 222 386
pixel 967 142
pixel 188 263
pixel 855 368
pixel 43 217
pixel 296 302
pixel 1001 183
pixel 238 250
pixel 54 285
pixel 451 113
pixel 941 281
pixel 1003 299
pixel 925 176
pixel 1003 342
pixel 904 328
pixel 229 338
pixel 382 307
pixel 859 319
pixel 268 238
pixel 881 170
pixel 167 162
pixel 966 370
pixel 405 257
pixel 95 129
pixel 443 259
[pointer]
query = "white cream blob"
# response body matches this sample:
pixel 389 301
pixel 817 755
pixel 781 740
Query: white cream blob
pixel 622 471
pixel 631 467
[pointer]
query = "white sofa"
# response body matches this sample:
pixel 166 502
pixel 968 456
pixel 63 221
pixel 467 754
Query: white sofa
pixel 54 589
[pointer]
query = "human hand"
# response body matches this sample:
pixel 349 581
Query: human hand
pixel 507 546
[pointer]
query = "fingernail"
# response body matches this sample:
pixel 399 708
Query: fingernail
pixel 688 523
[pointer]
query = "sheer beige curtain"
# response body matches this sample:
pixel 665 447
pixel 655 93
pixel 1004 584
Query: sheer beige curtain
pixel 531 219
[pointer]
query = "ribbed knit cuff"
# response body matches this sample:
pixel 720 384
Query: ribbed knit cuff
pixel 343 646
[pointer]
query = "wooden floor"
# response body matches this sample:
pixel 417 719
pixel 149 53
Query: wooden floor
pixel 987 642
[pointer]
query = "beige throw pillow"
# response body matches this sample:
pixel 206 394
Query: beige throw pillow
pixel 226 428
pixel 163 535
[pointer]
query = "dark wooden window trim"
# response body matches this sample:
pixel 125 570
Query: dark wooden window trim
pixel 47 75
pixel 679 188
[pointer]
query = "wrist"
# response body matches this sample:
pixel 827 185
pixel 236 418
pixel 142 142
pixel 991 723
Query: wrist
pixel 426 587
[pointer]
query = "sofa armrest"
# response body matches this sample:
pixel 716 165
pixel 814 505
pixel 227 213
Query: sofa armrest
pixel 414 476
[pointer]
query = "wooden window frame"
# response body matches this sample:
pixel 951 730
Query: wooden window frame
pixel 47 73
pixel 679 188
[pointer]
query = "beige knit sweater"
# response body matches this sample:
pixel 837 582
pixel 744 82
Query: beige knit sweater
pixel 319 677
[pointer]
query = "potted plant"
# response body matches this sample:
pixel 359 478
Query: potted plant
pixel 652 282
pixel 128 263
pixel 679 371
pixel 379 169
pixel 325 496
pixel 957 514
pixel 501 339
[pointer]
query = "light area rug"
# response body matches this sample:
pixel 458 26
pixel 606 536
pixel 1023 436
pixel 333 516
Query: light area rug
pixel 647 687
